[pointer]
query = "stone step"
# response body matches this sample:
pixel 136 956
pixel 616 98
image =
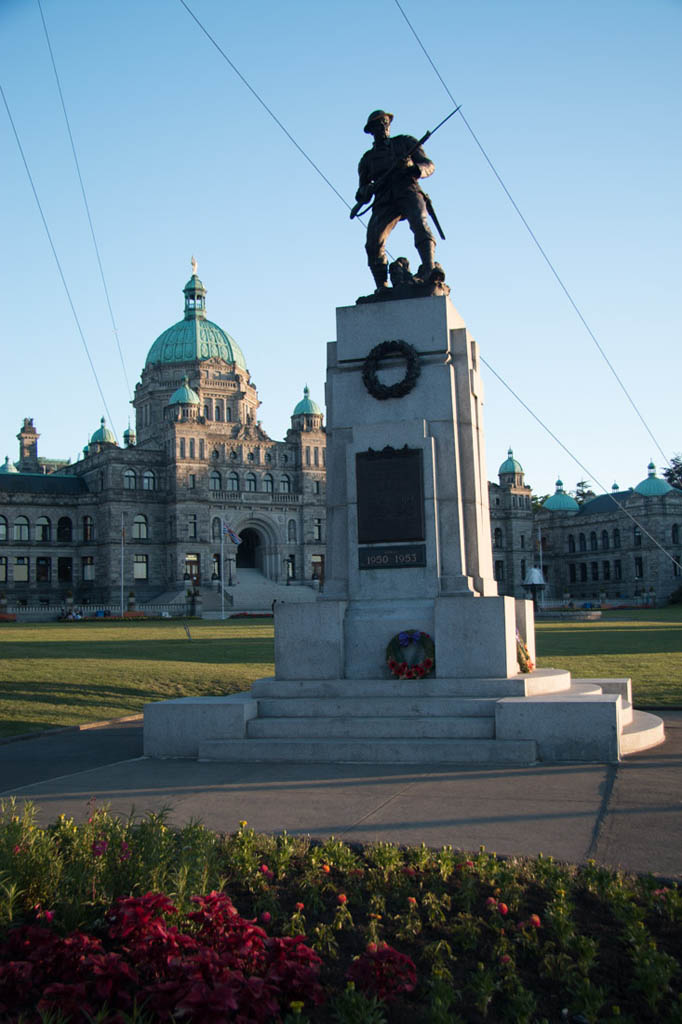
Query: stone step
pixel 542 681
pixel 644 731
pixel 354 707
pixel 401 728
pixel 379 751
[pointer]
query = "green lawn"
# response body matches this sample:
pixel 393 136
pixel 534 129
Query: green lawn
pixel 58 673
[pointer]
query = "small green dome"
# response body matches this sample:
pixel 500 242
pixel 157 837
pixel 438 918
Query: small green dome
pixel 8 467
pixel 184 395
pixel 307 406
pixel 195 337
pixel 560 501
pixel 103 435
pixel 510 465
pixel 653 485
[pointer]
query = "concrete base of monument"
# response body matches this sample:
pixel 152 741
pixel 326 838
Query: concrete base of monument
pixel 543 716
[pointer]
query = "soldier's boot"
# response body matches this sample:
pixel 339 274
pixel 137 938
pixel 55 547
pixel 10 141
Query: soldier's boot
pixel 426 250
pixel 380 274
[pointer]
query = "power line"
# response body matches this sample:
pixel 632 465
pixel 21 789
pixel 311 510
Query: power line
pixel 56 258
pixel 85 200
pixel 533 236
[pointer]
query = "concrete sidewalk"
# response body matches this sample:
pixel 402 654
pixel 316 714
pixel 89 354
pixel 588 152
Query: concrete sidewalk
pixel 627 815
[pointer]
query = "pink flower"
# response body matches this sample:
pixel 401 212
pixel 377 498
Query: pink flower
pixel 535 921
pixel 503 909
pixel 17 850
pixel 505 959
pixel 125 851
pixel 491 902
pixel 99 847
pixel 266 917
pixel 48 915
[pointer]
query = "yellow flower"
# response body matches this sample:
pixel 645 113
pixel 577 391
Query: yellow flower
pixel 297 1006
pixel 243 824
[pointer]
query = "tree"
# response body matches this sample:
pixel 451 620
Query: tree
pixel 537 501
pixel 583 492
pixel 673 473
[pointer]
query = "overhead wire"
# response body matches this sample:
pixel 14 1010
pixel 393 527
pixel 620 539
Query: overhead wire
pixel 56 259
pixel 85 200
pixel 532 234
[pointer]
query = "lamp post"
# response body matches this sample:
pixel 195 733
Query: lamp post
pixel 535 582
pixel 230 581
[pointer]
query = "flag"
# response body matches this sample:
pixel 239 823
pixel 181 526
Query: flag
pixel 231 534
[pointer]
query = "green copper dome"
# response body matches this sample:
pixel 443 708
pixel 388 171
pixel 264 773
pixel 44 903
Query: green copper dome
pixel 510 465
pixel 8 467
pixel 560 501
pixel 653 485
pixel 184 395
pixel 103 435
pixel 195 337
pixel 307 406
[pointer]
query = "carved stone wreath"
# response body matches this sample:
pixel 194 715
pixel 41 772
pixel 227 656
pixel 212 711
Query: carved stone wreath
pixel 371 365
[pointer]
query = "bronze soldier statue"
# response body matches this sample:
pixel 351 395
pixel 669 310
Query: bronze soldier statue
pixel 389 171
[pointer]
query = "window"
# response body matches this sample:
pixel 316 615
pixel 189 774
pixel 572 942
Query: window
pixel 215 454
pixel 140 567
pixel 497 537
pixel 64 529
pixel 3 569
pixel 593 541
pixel 219 411
pixel 291 531
pixel 581 542
pixel 250 457
pixel 583 572
pixel 65 570
pixel 87 569
pixel 207 412
pixel 639 569
pixel 616 538
pixel 88 528
pixel 605 540
pixel 191 448
pixel 268 457
pixel 523 569
pixel 43 570
pixel 285 484
pixel 594 570
pixel 676 534
pixel 317 529
pixel 202 450
pixel 250 482
pixel 21 570
pixel 215 481
pixel 677 564
pixel 307 455
pixel 606 570
pixel 637 536
pixel 215 529
pixel 129 480
pixel 617 571
pixel 318 567
pixel 571 543
pixel 43 529
pixel 267 483
pixel 317 456
pixel 228 414
pixel 140 531
pixel 21 528
pixel 499 571
pixel 522 540
pixel 572 573
pixel 3 528
pixel 316 487
pixel 233 456
pixel 183 447
pixel 148 481
pixel 191 481
pixel 233 482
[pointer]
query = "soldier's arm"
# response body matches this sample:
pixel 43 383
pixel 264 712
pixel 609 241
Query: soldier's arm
pixel 418 158
pixel 365 189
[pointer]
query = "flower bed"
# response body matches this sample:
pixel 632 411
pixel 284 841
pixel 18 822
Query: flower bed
pixel 323 932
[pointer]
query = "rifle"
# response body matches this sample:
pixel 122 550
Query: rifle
pixel 383 177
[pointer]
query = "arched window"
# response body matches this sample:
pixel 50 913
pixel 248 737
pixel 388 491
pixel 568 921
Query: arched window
pixel 228 414
pixel 676 533
pixel 250 482
pixel 21 528
pixel 637 536
pixel 64 529
pixel 215 528
pixel 571 543
pixel 593 541
pixel 268 483
pixel 605 540
pixel 616 538
pixel 497 537
pixel 250 457
pixel 219 411
pixel 3 528
pixel 581 542
pixel 148 481
pixel 292 531
pixel 215 481
pixel 129 480
pixel 140 531
pixel 285 485
pixel 207 412
pixel 307 455
pixel 43 529
pixel 88 528
pixel 233 482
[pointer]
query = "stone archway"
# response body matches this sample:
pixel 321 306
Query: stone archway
pixel 250 551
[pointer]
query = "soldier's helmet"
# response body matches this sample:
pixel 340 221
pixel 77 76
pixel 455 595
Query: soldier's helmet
pixel 376 115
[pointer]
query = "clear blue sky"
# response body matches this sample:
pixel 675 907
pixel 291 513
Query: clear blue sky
pixel 575 101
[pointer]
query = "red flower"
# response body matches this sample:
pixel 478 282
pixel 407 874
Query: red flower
pixel 99 847
pixel 326 869
pixel 535 921
pixel 342 898
pixel 412 901
pixel 299 907
pixel 503 909
pixel 266 917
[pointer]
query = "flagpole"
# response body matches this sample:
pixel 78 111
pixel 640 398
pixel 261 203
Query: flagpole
pixel 222 569
pixel 122 543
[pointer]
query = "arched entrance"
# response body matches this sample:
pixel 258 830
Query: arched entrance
pixel 250 551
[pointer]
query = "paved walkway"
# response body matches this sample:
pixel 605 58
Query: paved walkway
pixel 627 815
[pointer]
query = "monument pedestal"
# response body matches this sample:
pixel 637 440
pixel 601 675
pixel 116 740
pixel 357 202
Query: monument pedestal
pixel 408 548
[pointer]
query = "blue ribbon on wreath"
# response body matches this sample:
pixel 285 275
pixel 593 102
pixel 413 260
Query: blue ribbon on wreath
pixel 406 637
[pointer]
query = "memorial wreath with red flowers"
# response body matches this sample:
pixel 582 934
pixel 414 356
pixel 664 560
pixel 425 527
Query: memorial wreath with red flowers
pixel 411 654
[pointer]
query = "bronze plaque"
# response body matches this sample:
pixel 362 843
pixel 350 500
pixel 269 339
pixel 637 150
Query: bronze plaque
pixel 390 486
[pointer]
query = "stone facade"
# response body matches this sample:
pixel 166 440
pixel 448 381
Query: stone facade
pixel 153 509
